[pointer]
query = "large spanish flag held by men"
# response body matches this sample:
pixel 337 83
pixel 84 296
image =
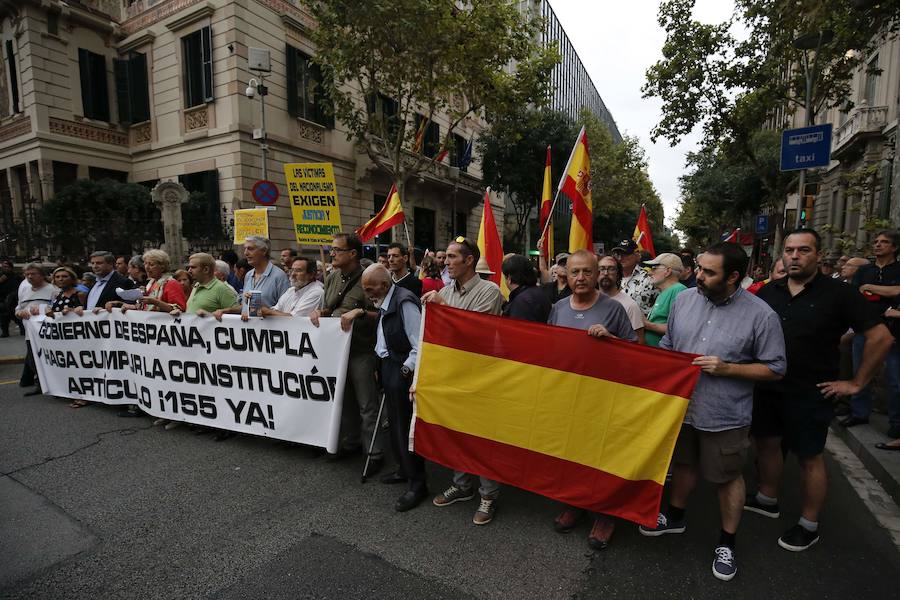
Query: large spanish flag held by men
pixel 489 240
pixel 546 248
pixel 642 234
pixel 576 185
pixel 390 214
pixel 550 409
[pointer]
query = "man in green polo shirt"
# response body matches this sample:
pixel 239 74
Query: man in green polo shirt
pixel 209 293
pixel 665 272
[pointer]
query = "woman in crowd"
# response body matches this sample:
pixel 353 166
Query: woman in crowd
pixel 69 299
pixel 136 272
pixel 34 295
pixel 86 282
pixel 432 280
pixel 186 281
pixel 163 293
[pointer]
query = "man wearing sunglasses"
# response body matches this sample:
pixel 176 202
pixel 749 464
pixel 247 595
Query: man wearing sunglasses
pixel 468 292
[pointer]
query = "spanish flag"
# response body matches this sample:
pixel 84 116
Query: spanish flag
pixel 489 242
pixel 642 236
pixel 546 248
pixel 390 214
pixel 550 409
pixel 576 185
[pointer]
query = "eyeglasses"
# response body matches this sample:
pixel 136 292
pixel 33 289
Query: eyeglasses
pixel 335 249
pixel 462 240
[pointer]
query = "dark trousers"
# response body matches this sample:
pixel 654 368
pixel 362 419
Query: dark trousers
pixel 29 369
pixel 399 407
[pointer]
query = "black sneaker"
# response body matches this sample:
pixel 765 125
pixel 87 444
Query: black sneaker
pixel 724 567
pixel 663 525
pixel 767 510
pixel 798 538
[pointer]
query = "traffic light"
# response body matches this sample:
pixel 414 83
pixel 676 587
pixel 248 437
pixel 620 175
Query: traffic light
pixel 806 211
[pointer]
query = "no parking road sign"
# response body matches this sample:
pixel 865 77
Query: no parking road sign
pixel 265 192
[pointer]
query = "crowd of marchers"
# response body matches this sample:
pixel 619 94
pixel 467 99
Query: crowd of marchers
pixel 779 355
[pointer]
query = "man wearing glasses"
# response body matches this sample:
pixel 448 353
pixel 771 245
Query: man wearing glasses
pixel 305 294
pixel 665 272
pixel 345 298
pixel 468 292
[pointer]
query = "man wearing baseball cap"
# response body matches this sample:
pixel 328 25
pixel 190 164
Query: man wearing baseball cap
pixel 635 282
pixel 665 273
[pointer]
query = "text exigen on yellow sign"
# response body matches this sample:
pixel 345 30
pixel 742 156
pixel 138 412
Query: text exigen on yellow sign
pixel 314 202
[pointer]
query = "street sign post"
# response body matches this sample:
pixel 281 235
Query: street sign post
pixel 762 224
pixel 265 192
pixel 806 147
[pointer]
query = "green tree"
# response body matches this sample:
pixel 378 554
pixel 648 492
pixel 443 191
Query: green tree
pixel 392 66
pixel 514 151
pixel 108 215
pixel 732 87
pixel 620 184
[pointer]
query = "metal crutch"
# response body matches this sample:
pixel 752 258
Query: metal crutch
pixel 372 443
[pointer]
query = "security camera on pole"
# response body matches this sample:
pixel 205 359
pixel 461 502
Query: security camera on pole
pixel 260 61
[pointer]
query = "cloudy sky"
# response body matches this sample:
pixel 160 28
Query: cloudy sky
pixel 617 42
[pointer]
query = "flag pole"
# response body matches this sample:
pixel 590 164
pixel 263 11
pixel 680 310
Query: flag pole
pixel 562 181
pixel 412 251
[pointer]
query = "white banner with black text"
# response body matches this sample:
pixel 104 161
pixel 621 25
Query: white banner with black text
pixel 278 377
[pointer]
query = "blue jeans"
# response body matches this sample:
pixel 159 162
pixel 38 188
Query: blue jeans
pixel 861 403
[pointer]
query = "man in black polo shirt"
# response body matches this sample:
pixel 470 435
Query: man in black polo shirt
pixel 815 311
pixel 879 283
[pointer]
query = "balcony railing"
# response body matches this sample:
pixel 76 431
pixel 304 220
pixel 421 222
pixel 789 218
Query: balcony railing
pixel 862 120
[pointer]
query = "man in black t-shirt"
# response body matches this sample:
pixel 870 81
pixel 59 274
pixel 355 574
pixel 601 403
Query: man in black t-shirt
pixel 879 284
pixel 815 311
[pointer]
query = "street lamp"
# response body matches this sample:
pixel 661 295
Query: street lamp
pixel 809 41
pixel 259 60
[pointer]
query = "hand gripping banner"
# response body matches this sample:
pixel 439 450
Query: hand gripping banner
pixel 276 377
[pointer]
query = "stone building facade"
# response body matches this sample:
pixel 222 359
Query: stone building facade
pixel 153 90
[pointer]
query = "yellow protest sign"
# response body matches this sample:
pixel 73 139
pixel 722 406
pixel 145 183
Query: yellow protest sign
pixel 314 201
pixel 250 221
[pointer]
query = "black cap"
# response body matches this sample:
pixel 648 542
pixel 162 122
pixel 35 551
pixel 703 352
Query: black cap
pixel 626 246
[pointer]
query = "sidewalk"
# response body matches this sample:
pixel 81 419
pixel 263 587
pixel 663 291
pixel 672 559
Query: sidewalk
pixel 12 349
pixel 883 465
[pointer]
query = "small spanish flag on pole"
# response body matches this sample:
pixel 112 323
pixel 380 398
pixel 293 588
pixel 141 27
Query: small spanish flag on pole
pixel 390 214
pixel 546 248
pixel 642 236
pixel 489 241
pixel 576 185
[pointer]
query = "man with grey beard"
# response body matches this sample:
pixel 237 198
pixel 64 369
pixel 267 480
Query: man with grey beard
pixel 305 294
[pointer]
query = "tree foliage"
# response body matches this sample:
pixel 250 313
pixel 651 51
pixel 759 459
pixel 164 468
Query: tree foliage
pixel 108 215
pixel 514 152
pixel 387 61
pixel 731 87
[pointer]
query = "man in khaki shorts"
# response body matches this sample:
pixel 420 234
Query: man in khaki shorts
pixel 740 341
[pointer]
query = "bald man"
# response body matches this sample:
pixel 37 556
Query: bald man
pixel 851 266
pixel 397 345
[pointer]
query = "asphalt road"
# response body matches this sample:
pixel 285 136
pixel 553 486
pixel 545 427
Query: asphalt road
pixel 95 506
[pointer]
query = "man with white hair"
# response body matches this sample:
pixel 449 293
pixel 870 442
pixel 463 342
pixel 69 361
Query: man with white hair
pixel 397 345
pixel 665 273
pixel 263 276
pixel 222 271
pixel 305 294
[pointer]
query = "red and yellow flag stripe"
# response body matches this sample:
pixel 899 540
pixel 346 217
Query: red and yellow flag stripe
pixel 390 214
pixel 551 410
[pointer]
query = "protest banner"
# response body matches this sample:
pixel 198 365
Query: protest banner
pixel 250 221
pixel 551 409
pixel 278 377
pixel 314 202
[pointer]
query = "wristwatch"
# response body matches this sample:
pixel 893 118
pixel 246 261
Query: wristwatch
pixel 407 372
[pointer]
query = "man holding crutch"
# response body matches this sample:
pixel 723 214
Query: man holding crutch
pixel 397 346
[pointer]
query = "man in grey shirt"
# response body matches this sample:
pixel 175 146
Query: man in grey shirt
pixel 740 341
pixel 601 316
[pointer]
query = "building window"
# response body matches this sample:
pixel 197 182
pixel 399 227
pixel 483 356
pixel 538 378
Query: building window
pixel 64 175
pixel 458 156
pixel 423 227
pixel 305 95
pixel 94 95
pixel 431 137
pixel 461 219
pixel 197 58
pixel 98 174
pixel 871 81
pixel 13 76
pixel 132 88
pixel 53 23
